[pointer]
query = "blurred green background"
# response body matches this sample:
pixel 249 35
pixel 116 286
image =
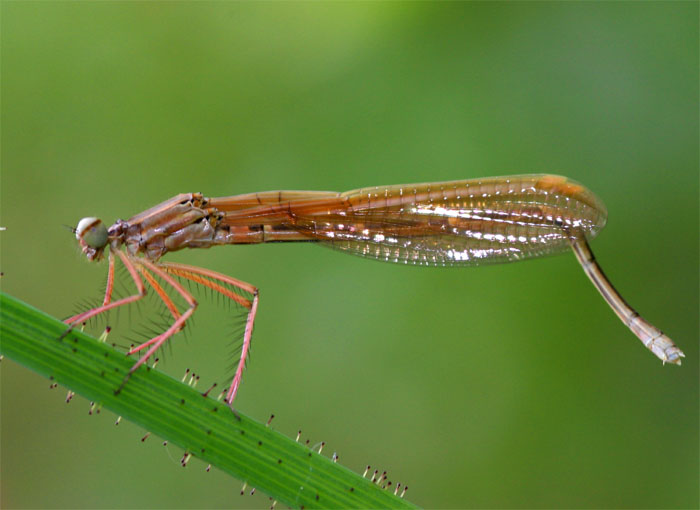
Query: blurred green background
pixel 504 386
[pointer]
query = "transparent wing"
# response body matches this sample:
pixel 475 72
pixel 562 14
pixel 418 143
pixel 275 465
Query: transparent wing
pixel 405 241
pixel 468 222
pixel 457 223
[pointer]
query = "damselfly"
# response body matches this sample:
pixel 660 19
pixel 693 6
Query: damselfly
pixel 456 223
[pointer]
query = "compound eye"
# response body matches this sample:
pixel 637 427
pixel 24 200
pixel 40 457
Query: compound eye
pixel 92 232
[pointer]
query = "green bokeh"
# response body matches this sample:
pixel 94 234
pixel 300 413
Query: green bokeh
pixel 503 386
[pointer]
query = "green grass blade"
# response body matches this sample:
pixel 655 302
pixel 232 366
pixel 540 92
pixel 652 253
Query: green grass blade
pixel 282 468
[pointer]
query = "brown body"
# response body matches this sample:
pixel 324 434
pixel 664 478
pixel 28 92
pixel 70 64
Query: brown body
pixel 469 222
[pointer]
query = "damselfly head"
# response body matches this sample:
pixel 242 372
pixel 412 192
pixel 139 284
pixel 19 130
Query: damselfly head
pixel 92 236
